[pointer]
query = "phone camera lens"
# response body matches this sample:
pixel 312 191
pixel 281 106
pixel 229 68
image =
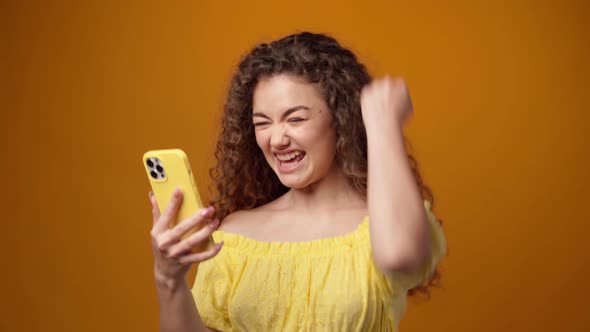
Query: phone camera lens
pixel 160 168
pixel 150 163
pixel 154 175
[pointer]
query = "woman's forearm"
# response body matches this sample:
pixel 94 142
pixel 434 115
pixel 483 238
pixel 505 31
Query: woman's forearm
pixel 399 229
pixel 178 312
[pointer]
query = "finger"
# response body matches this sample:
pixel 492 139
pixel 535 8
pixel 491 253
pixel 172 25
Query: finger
pixel 171 210
pixel 201 256
pixel 195 220
pixel 155 208
pixel 194 240
pixel 174 235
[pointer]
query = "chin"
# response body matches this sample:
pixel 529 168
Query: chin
pixel 294 182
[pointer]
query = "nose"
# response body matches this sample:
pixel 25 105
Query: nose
pixel 279 139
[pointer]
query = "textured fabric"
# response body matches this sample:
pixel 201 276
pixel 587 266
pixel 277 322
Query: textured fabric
pixel 328 284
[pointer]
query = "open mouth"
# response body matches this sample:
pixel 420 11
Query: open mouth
pixel 290 160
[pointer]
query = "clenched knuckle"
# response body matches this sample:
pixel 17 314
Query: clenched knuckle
pixel 174 253
pixel 161 244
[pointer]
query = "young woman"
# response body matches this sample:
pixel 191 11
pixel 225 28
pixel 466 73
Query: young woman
pixel 326 224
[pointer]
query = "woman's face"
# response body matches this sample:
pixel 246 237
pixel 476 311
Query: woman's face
pixel 292 126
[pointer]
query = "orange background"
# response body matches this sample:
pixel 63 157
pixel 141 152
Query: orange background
pixel 500 91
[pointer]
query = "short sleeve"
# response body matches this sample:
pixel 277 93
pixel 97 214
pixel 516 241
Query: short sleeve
pixel 211 291
pixel 438 250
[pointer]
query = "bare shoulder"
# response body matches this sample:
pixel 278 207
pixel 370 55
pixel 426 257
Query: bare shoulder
pixel 241 222
pixel 234 221
pixel 247 222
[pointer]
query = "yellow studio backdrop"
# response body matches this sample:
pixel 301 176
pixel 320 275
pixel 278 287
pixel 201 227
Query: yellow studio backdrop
pixel 500 91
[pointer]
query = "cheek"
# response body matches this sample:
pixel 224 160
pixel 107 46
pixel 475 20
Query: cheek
pixel 262 140
pixel 329 146
pixel 332 138
pixel 327 134
pixel 323 143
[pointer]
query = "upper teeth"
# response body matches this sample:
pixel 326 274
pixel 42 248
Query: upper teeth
pixel 288 156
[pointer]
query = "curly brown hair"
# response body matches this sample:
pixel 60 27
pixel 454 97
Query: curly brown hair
pixel 243 177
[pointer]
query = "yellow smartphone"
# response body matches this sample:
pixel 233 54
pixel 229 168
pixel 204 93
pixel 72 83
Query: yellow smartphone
pixel 170 169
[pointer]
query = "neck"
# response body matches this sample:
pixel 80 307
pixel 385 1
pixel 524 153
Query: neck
pixel 332 192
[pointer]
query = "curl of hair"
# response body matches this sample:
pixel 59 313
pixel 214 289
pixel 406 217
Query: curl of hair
pixel 243 178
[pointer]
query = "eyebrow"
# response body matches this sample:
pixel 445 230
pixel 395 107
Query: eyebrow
pixel 285 114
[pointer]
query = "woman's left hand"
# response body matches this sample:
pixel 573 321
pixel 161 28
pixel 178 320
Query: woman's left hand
pixel 386 102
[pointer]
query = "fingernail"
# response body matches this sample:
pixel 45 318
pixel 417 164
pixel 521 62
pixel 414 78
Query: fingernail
pixel 151 194
pixel 208 211
pixel 214 224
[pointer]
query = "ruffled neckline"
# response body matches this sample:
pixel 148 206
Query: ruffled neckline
pixel 321 246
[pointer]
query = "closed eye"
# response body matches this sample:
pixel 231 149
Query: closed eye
pixel 258 124
pixel 296 120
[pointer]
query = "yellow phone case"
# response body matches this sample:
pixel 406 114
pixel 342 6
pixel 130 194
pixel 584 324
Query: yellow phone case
pixel 168 170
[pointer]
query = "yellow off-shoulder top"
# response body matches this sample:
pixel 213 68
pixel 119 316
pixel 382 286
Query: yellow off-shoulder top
pixel 329 284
